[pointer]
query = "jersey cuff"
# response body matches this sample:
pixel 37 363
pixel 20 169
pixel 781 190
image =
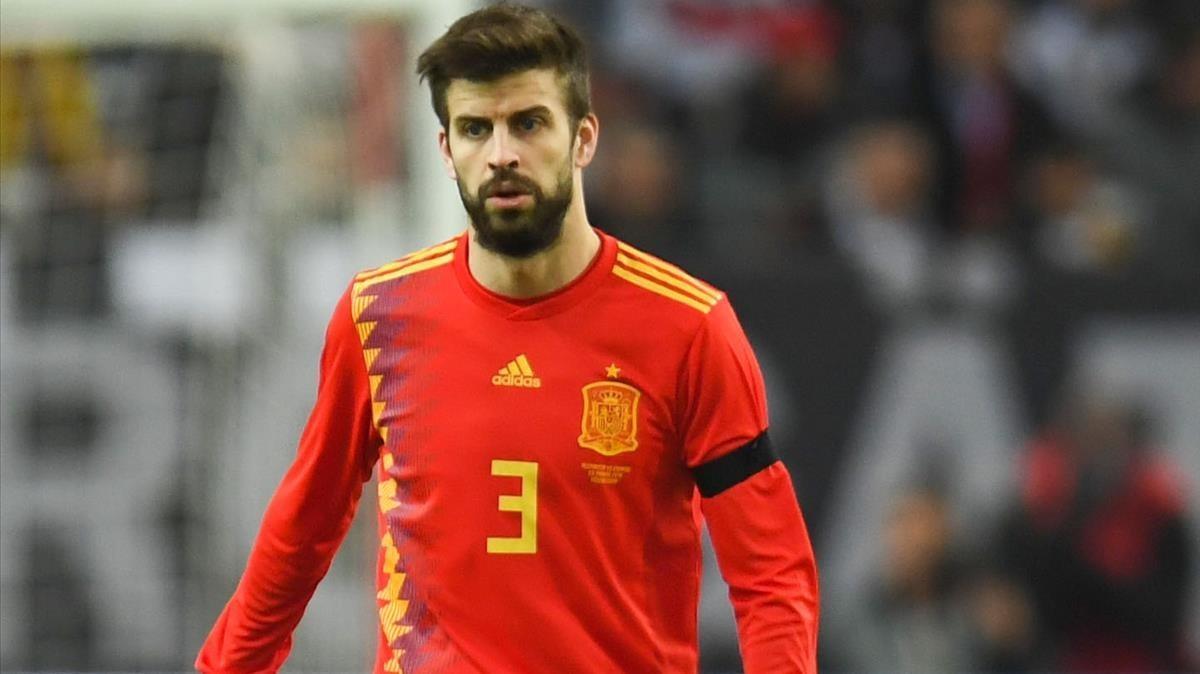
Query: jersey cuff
pixel 735 467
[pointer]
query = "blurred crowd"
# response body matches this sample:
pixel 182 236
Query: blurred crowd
pixel 1086 571
pixel 906 137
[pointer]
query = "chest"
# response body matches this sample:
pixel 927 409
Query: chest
pixel 587 399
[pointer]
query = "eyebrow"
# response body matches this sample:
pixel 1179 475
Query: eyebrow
pixel 536 109
pixel 464 119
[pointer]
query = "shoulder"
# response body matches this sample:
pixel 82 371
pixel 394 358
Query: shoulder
pixel 368 281
pixel 385 281
pixel 1161 485
pixel 665 289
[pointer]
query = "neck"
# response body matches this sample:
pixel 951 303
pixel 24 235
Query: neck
pixel 547 270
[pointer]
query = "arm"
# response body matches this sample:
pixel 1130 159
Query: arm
pixel 748 502
pixel 307 518
pixel 765 557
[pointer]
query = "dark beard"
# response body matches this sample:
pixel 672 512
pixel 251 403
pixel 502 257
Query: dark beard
pixel 520 233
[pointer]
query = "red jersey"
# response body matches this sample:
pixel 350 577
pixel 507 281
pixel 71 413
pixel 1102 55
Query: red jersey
pixel 543 466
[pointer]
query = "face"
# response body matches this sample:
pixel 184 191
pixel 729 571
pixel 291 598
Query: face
pixel 894 165
pixel 917 537
pixel 973 34
pixel 511 148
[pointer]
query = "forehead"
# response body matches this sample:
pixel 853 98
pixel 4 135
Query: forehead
pixel 497 98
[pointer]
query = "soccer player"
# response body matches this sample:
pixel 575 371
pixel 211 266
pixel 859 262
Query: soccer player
pixel 551 411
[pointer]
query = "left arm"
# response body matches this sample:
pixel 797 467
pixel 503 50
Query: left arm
pixel 766 559
pixel 747 499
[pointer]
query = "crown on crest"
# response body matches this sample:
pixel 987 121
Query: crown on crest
pixel 610 397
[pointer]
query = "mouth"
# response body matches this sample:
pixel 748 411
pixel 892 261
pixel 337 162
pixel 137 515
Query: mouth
pixel 507 195
pixel 514 201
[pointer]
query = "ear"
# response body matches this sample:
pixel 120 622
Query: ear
pixel 447 158
pixel 585 140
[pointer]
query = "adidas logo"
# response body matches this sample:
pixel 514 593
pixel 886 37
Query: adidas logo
pixel 517 373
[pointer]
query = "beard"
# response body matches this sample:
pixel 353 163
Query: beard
pixel 519 232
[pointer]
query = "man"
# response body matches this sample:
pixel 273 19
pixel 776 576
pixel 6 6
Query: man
pixel 1099 540
pixel 551 411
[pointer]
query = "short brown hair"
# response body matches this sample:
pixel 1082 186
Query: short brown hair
pixel 501 40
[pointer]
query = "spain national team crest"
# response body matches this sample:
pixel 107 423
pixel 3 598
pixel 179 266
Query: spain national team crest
pixel 609 424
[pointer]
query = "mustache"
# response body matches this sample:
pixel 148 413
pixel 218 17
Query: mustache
pixel 507 180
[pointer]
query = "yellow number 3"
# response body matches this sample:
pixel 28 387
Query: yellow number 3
pixel 526 503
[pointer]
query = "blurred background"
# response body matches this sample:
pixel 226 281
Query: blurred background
pixel 963 236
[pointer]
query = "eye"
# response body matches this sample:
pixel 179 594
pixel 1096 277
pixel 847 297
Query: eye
pixel 528 123
pixel 474 129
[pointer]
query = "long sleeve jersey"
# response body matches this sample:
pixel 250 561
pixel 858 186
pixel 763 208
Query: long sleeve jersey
pixel 544 468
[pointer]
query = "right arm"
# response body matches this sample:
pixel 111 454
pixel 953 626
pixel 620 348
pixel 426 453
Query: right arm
pixel 307 518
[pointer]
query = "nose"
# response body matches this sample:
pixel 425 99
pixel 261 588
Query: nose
pixel 503 153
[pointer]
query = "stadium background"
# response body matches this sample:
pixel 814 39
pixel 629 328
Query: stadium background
pixel 939 222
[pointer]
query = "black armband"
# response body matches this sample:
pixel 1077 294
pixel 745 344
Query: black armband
pixel 735 467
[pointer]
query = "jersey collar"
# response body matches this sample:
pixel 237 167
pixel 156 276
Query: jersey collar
pixel 545 305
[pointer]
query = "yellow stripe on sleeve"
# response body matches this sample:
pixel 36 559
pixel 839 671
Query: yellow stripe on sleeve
pixel 404 271
pixel 669 268
pixel 422 254
pixel 667 278
pixel 658 289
